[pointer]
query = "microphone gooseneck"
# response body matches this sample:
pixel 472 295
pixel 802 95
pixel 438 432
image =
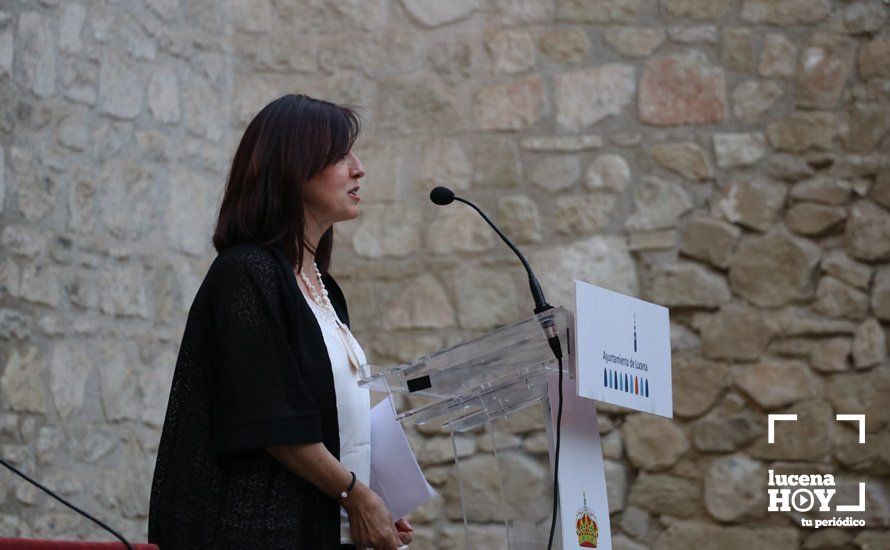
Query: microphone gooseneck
pixel 443 196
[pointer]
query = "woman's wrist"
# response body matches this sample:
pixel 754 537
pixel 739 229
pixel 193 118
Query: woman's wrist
pixel 355 496
pixel 345 492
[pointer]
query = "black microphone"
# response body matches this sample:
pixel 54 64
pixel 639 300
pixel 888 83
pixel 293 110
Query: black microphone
pixel 443 196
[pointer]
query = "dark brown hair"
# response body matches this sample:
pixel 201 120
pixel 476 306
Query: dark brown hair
pixel 287 142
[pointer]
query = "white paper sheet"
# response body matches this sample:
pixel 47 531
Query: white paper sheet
pixel 395 474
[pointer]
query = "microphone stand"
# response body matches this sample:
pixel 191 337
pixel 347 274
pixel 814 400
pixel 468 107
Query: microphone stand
pixel 443 196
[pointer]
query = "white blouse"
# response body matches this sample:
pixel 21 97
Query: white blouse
pixel 353 407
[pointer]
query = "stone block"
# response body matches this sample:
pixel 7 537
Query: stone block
pixel 862 392
pixel 684 158
pixel 753 98
pixel 751 203
pixel 658 203
pixel 709 240
pixel 806 218
pixel 788 167
pixel 22 383
pixel 124 292
pixel 562 144
pixel 728 426
pixel 701 34
pixel 35 53
pixel 682 89
pixel 799 132
pixel 735 332
pixel 511 106
pixel 733 489
pixel 864 16
pixel 419 104
pixel 867 235
pixel 873 58
pixel 736 150
pixel 704 536
pixel 697 10
pixel 808 439
pixel 384 231
pixel 518 217
pixel 667 494
pixel 822 189
pixel 880 295
pixel 837 299
pixel 163 95
pixel 121 87
pixel 774 269
pixel 779 56
pixel 70 366
pixel 634 41
pixel 600 260
pixel 431 13
pixel 616 484
pixel 585 97
pixel 697 383
pixel 737 50
pixel 553 172
pixel 485 298
pixel 442 162
pixel 608 172
pixel 785 13
pixel 774 384
pixel 653 442
pixel 496 162
pixel 652 240
pixel 525 481
pixel 823 68
pixel 420 303
pixel 511 51
pixel 569 46
pixel 869 345
pixel 607 11
pixel 583 214
pixel 41 283
pixel 865 128
pixel 685 284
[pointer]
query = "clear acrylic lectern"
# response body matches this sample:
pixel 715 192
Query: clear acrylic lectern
pixel 481 385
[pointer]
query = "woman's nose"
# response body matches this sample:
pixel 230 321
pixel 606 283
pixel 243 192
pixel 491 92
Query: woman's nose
pixel 358 171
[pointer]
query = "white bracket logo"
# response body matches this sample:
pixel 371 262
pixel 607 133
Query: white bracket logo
pixel 783 499
pixel 773 418
pixel 860 418
pixel 771 425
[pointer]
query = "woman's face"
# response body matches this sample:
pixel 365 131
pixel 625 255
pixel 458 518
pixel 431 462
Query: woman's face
pixel 331 195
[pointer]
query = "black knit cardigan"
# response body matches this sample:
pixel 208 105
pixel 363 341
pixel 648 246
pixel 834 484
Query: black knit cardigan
pixel 252 372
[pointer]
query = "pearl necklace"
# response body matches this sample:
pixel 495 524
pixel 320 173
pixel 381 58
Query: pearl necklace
pixel 327 310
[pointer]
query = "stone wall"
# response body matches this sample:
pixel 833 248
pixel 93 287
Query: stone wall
pixel 725 158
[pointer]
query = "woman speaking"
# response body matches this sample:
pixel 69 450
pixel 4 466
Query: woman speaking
pixel 266 440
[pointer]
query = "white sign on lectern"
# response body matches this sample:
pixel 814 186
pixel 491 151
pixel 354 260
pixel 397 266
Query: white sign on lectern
pixel 624 350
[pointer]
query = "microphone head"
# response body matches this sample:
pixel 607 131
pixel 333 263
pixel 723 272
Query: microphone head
pixel 442 195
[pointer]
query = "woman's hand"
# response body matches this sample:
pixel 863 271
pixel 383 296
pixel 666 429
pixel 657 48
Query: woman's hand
pixel 404 529
pixel 370 522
